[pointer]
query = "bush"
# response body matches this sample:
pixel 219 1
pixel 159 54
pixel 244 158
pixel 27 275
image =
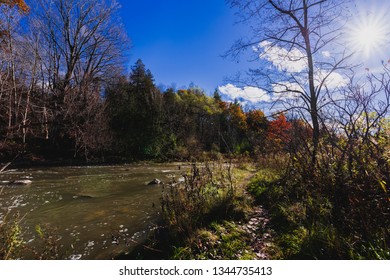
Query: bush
pixel 13 246
pixel 10 238
pixel 208 193
pixel 336 211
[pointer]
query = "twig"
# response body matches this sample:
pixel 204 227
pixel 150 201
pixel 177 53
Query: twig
pixel 5 166
pixel 9 163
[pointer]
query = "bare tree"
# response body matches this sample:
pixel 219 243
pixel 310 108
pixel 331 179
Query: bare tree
pixel 83 40
pixel 11 70
pixel 83 46
pixel 300 38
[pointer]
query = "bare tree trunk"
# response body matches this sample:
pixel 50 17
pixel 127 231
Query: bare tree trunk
pixel 312 90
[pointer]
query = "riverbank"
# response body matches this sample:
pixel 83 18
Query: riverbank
pixel 61 214
pixel 209 210
pixel 260 212
pixel 30 160
pixel 226 224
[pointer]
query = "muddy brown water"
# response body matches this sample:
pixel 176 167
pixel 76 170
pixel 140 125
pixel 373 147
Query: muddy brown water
pixel 96 212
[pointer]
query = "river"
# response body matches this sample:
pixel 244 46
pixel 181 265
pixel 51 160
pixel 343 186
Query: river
pixel 95 212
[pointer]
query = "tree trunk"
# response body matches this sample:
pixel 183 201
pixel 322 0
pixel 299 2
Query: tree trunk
pixel 313 94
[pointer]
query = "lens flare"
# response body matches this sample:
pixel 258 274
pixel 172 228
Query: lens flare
pixel 369 34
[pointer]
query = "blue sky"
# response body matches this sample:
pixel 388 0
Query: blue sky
pixel 182 41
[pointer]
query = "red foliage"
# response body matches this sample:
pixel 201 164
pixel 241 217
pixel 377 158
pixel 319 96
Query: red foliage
pixel 279 131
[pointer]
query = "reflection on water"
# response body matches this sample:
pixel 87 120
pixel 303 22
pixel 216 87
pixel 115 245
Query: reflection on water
pixel 97 211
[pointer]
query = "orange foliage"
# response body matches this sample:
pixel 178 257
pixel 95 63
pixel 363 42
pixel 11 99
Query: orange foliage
pixel 222 105
pixel 256 120
pixel 237 116
pixel 22 6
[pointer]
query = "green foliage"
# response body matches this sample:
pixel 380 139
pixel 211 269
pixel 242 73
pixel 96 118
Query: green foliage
pixel 202 215
pixel 134 107
pixel 183 125
pixel 263 181
pixel 13 246
pixel 10 238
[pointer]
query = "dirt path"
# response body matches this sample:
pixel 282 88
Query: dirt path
pixel 257 227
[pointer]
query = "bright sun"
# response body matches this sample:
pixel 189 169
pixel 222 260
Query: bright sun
pixel 369 34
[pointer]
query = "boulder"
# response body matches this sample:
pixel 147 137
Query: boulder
pixel 155 181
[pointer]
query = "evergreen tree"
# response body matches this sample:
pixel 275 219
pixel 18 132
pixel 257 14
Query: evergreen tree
pixel 135 107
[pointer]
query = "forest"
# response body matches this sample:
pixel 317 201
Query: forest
pixel 319 165
pixel 65 94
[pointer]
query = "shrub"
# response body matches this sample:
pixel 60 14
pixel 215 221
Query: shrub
pixel 208 193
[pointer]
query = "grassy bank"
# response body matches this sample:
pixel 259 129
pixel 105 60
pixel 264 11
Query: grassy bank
pixel 306 224
pixel 207 217
pixel 203 217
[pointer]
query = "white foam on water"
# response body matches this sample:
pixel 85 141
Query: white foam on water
pixel 75 257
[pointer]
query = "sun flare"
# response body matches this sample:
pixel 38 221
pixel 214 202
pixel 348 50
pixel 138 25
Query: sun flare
pixel 369 34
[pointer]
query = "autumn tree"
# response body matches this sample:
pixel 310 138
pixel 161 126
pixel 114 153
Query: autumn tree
pixel 279 133
pixel 234 127
pixel 20 4
pixel 82 49
pixel 10 4
pixel 298 39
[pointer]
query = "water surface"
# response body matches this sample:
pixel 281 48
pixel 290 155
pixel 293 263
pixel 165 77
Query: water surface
pixel 97 212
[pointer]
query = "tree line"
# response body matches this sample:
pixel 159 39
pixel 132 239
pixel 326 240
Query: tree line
pixel 186 123
pixel 64 93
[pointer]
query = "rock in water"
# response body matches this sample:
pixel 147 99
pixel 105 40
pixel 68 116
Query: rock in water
pixel 21 182
pixel 155 181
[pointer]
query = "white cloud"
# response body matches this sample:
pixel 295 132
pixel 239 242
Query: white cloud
pixel 286 90
pixel 293 61
pixel 333 81
pixel 250 94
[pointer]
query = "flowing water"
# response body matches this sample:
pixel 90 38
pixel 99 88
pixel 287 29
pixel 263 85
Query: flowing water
pixel 96 212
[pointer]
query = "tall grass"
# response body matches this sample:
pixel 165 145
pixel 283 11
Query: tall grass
pixel 208 193
pixel 329 214
pixel 202 213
